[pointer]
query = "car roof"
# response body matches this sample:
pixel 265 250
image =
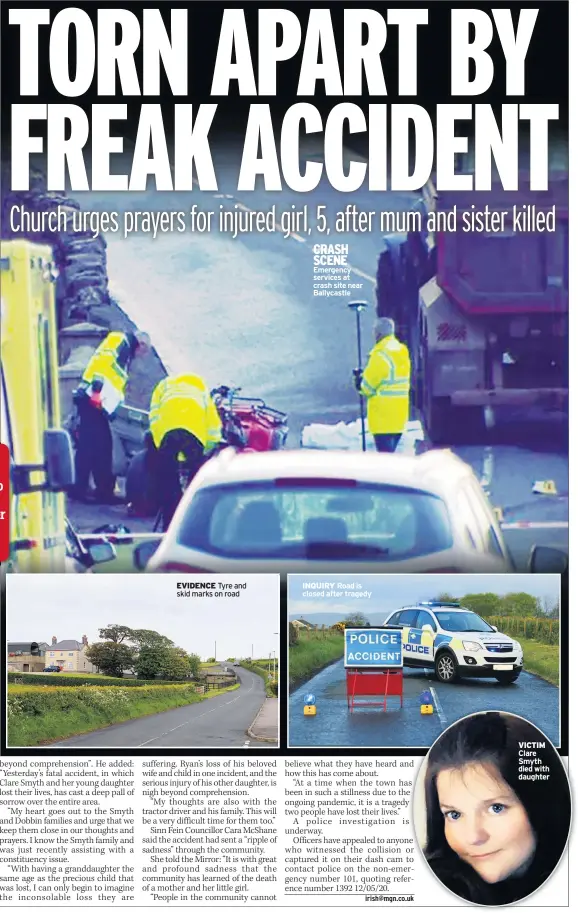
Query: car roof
pixel 433 608
pixel 436 471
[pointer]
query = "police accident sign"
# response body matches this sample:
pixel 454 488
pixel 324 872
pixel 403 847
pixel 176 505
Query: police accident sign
pixel 372 648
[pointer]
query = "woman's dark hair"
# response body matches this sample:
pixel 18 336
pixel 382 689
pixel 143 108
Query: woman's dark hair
pixel 497 739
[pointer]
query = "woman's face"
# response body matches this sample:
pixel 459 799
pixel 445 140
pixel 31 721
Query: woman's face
pixel 485 822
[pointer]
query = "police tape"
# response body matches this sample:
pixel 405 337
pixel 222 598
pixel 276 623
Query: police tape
pixel 531 524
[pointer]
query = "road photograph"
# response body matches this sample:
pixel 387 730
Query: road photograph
pixel 160 662
pixel 393 660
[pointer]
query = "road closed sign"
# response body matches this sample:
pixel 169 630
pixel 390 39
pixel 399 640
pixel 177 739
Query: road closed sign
pixel 372 648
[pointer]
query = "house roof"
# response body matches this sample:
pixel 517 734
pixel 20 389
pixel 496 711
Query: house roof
pixel 24 646
pixel 66 645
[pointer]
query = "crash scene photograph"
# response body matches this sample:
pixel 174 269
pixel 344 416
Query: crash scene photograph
pixel 377 664
pixel 284 454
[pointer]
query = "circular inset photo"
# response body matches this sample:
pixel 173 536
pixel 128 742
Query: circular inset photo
pixel 492 808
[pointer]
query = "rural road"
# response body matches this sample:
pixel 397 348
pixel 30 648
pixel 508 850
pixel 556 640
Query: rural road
pixel 367 727
pixel 218 722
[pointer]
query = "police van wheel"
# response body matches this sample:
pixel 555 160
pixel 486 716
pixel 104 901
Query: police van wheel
pixel 446 668
pixel 507 678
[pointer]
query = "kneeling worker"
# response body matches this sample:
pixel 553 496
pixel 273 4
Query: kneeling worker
pixel 98 396
pixel 183 420
pixel 385 383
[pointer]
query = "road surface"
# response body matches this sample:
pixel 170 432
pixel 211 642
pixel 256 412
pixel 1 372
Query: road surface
pixel 242 312
pixel 218 722
pixel 530 697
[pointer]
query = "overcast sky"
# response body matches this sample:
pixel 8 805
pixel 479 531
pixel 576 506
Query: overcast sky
pixel 40 606
pixel 391 591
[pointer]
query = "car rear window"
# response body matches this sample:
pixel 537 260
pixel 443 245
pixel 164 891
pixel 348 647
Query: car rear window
pixel 299 519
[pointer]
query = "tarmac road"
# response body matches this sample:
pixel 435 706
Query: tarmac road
pixel 218 722
pixel 242 312
pixel 369 727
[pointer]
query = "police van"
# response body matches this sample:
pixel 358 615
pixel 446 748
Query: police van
pixel 454 642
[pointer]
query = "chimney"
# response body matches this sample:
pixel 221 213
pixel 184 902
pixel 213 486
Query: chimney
pixel 54 640
pixel 85 640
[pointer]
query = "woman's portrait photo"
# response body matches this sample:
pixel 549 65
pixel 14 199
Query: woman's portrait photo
pixel 494 804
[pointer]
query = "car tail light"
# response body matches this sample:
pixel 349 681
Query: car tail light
pixel 177 567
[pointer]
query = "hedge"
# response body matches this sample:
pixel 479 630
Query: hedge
pixel 38 701
pixel 55 678
pixel 543 630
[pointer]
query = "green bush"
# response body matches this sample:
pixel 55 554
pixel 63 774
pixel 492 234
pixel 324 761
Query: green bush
pixel 271 686
pixel 56 678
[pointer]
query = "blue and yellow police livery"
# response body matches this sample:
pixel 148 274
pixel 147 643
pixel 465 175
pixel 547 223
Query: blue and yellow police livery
pixel 454 641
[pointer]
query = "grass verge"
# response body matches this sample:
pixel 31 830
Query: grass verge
pixel 271 685
pixel 313 653
pixel 541 659
pixel 38 716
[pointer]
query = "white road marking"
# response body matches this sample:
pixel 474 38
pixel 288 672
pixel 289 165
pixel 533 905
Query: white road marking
pixel 188 722
pixel 439 709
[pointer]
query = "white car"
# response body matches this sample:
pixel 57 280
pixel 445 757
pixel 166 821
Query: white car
pixel 305 510
pixel 454 642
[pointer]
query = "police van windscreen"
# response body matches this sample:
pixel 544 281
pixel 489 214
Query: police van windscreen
pixel 463 621
pixel 297 520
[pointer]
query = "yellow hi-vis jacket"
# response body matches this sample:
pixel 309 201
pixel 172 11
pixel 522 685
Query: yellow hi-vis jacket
pixel 183 401
pixel 108 364
pixel 386 382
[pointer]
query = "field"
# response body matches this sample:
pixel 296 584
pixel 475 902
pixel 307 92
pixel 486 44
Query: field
pixel 313 651
pixel 541 659
pixel 39 714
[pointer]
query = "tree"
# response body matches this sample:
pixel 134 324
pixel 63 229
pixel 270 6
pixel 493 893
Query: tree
pixel 521 604
pixel 115 633
pixel 484 604
pixel 111 658
pixel 142 637
pixel 170 663
pixel 446 597
pixel 176 666
pixel 195 664
pixel 356 620
pixel 211 659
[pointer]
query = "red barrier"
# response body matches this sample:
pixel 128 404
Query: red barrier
pixel 382 683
